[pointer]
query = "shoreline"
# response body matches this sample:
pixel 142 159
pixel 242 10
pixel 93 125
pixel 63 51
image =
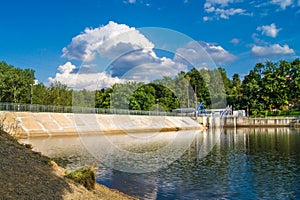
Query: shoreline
pixel 26 174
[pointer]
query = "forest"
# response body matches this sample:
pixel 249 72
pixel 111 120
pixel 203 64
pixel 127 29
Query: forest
pixel 268 89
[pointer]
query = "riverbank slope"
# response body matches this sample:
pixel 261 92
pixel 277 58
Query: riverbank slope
pixel 25 174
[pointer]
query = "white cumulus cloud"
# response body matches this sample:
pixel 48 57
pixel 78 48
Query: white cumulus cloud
pixel 204 54
pixel 140 62
pixel 269 30
pixel 89 81
pixel 218 53
pixel 132 57
pixel 270 50
pixel 154 70
pixel 109 41
pixel 125 47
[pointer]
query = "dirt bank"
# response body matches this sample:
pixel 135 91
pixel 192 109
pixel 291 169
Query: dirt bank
pixel 25 174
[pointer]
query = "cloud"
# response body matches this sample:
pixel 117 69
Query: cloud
pixel 283 3
pixel 126 49
pixel 224 14
pixel 256 39
pixel 218 53
pixel 271 50
pixel 138 65
pixel 132 57
pixel 206 18
pixel 89 81
pixel 221 2
pixel 219 11
pixel 235 41
pixel 154 70
pixel 108 41
pixel 200 53
pixel 87 78
pixel 129 1
pixel 131 60
pixel 67 68
pixel 269 30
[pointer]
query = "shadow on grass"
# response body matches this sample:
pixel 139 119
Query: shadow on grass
pixel 25 174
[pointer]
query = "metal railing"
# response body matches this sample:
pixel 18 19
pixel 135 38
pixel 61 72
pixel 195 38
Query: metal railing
pixel 18 107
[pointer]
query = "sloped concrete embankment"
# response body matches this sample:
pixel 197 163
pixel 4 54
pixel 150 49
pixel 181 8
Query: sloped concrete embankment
pixel 30 124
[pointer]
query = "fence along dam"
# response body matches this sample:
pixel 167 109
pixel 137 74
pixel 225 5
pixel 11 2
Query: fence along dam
pixel 31 124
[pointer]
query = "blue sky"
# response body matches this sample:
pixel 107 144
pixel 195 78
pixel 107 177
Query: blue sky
pixel 56 38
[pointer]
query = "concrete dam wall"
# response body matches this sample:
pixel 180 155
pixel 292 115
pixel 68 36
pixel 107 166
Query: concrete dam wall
pixel 240 122
pixel 28 124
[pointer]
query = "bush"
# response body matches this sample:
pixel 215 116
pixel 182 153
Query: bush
pixel 276 113
pixel 85 176
pixel 295 113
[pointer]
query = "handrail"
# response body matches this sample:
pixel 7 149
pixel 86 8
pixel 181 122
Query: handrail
pixel 20 107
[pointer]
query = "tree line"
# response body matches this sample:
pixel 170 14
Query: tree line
pixel 269 88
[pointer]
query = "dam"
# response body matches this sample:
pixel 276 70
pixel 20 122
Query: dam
pixel 45 124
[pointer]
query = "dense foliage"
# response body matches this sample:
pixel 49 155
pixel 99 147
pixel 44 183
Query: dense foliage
pixel 13 82
pixel 268 89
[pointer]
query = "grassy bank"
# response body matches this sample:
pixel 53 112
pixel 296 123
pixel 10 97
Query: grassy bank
pixel 277 113
pixel 25 174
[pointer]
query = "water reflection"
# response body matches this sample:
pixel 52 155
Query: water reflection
pixel 143 153
pixel 244 164
pixel 241 164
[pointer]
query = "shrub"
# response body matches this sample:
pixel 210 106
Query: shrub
pixel 85 176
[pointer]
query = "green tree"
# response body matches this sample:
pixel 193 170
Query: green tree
pixel 235 93
pixel 218 88
pixel 81 98
pixel 165 97
pixel 15 83
pixel 294 84
pixel 41 94
pixel 121 94
pixel 102 98
pixel 59 95
pixel 250 99
pixel 143 98
pixel 199 86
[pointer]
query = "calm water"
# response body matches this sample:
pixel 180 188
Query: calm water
pixel 243 164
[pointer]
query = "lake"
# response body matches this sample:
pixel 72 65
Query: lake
pixel 260 163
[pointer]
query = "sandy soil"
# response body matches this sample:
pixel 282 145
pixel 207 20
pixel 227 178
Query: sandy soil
pixel 25 174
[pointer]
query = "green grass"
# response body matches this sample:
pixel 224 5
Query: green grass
pixel 63 162
pixel 85 176
pixel 277 113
